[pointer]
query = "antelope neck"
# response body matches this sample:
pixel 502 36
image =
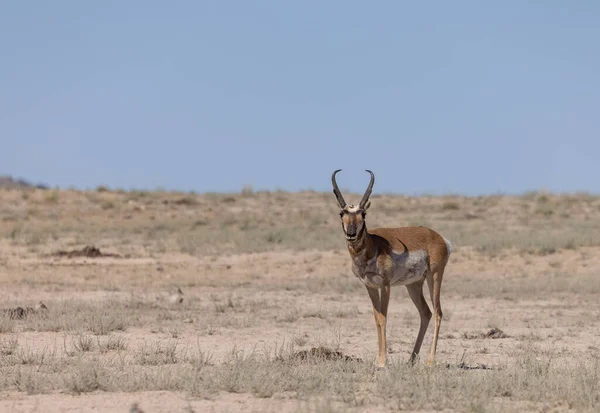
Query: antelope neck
pixel 362 245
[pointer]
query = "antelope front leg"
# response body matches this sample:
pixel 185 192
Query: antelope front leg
pixel 380 307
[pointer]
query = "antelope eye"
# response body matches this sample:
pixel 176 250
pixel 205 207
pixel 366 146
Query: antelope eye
pixel 341 213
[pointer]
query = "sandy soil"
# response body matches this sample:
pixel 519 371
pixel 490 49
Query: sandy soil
pixel 119 313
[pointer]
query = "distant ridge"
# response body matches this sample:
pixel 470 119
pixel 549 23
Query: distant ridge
pixel 7 181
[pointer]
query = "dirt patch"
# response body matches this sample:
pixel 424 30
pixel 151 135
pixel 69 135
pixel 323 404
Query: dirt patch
pixel 322 353
pixel 477 366
pixel 492 333
pixel 265 279
pixel 89 251
pixel 496 333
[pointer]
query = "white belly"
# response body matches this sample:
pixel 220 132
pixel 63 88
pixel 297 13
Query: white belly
pixel 408 267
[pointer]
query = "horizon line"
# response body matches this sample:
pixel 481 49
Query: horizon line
pixel 250 190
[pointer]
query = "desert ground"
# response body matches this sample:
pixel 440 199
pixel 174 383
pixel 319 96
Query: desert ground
pixel 270 317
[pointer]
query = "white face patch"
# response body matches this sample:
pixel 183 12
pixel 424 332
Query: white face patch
pixel 352 221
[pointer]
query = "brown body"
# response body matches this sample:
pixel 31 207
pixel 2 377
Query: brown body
pixel 384 257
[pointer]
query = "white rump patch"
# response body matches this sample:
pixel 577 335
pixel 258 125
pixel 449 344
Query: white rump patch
pixel 448 245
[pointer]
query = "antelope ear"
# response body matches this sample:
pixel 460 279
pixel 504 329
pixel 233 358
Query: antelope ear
pixel 367 205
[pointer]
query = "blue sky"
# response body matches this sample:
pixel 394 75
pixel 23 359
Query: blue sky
pixel 435 97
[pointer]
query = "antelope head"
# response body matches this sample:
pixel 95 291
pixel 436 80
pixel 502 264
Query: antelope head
pixel 353 217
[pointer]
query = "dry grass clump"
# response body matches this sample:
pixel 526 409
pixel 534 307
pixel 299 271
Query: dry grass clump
pixel 262 221
pixel 554 284
pixel 157 354
pixel 111 343
pixel 259 268
pixel 99 318
pixel 8 346
pixel 83 343
pixel 7 324
pixel 533 376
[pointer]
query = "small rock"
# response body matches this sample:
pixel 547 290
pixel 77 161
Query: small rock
pixel 135 408
pixel 496 333
pixel 176 297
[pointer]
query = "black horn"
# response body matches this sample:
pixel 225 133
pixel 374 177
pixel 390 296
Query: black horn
pixel 336 190
pixel 367 194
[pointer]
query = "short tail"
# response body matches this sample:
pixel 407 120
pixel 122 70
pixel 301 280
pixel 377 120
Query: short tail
pixel 448 246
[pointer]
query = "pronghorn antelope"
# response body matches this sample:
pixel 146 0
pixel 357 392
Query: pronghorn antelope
pixel 384 257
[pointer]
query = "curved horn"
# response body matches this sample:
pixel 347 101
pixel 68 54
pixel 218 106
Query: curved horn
pixel 367 194
pixel 336 190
